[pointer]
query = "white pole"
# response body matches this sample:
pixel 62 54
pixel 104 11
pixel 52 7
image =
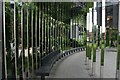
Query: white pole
pixel 103 16
pixel 87 28
pixel 1 40
pixel 119 18
pixel 95 24
pixel 22 41
pixel 36 37
pixel 32 42
pixel 90 18
pixel 95 13
pixel 15 38
pixel 90 30
pixel 103 31
pixel 40 37
pixel 87 21
pixel 76 31
pixel 71 28
pixel 5 64
pixel 28 40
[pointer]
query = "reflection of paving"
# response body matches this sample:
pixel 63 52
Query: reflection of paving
pixel 74 66
pixel 110 63
pixel 0 61
pixel 71 67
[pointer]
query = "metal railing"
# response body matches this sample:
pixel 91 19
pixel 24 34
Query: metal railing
pixel 31 32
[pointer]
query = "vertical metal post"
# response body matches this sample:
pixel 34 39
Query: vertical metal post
pixel 72 23
pixel 51 23
pixel 28 41
pixel 118 46
pixel 90 47
pixel 15 39
pixel 55 32
pixel 4 64
pixel 57 29
pixel 71 29
pixel 65 30
pixel 22 41
pixel 50 30
pixel 87 25
pixel 76 28
pixel 36 36
pixel 53 28
pixel 1 39
pixel 61 27
pixel 95 20
pixel 102 45
pixel 90 21
pixel 32 40
pixel 41 30
pixel 39 36
pixel 44 29
pixel 47 29
pixel 94 42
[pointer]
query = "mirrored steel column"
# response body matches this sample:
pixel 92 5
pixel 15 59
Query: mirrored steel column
pixel 1 39
pixel 118 46
pixel 4 64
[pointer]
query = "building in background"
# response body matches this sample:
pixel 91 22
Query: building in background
pixel 111 21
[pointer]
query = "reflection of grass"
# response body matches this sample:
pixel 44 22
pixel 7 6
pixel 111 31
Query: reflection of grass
pixel 118 57
pixel 118 54
pixel 102 54
pixel 109 43
pixel 94 52
pixel 89 50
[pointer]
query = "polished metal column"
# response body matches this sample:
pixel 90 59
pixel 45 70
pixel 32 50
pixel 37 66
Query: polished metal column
pixel 118 46
pixel 28 53
pixel 90 44
pixel 1 40
pixel 22 40
pixel 4 64
pixel 87 35
pixel 94 39
pixel 103 44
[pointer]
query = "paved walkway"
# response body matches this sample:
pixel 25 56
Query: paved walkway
pixel 74 66
pixel 71 67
